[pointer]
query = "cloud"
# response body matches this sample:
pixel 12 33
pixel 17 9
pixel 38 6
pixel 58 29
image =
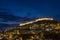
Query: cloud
pixel 7 20
pixel 9 17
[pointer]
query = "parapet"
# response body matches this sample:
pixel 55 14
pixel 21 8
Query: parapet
pixel 39 19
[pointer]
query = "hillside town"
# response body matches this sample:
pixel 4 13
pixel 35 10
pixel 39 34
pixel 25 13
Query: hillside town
pixel 39 29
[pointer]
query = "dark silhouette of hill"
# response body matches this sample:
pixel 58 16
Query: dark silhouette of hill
pixel 7 17
pixel 4 26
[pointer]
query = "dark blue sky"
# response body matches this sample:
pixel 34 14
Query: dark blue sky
pixel 32 8
pixel 12 12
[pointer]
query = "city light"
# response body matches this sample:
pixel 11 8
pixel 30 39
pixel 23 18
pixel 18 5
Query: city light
pixel 34 31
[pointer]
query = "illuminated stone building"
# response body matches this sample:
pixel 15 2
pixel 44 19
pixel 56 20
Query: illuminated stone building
pixel 41 28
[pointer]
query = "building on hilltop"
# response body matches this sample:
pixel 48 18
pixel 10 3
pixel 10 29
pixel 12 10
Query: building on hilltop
pixel 41 28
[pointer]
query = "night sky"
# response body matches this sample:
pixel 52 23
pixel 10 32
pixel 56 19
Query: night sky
pixel 32 8
pixel 12 11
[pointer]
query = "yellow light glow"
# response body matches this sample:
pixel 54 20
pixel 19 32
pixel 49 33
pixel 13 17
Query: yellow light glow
pixel 58 27
pixel 40 19
pixel 26 23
